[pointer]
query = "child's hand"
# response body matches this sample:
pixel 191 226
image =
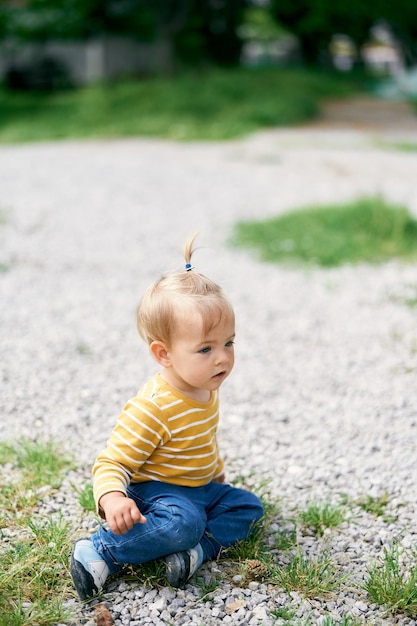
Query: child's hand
pixel 220 479
pixel 121 512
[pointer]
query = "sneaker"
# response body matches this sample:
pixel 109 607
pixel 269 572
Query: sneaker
pixel 180 566
pixel 88 570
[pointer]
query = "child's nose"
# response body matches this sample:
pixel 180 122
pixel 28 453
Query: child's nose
pixel 221 357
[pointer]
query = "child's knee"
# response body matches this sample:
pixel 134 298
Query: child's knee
pixel 248 501
pixel 257 506
pixel 188 526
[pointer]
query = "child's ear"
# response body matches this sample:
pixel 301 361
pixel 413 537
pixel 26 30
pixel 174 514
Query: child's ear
pixel 160 353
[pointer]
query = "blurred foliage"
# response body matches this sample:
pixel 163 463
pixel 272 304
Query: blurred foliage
pixel 217 104
pixel 212 30
pixel 315 21
pixel 198 30
pixel 72 19
pixel 259 25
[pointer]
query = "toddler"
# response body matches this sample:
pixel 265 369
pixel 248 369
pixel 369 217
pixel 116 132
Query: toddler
pixel 159 483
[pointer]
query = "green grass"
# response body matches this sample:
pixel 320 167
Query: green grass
pixel 310 576
pixel 37 465
pixel 150 574
pixel 85 496
pixel 367 230
pixel 216 105
pixel 320 516
pixel 284 613
pixel 389 585
pixel 34 577
pixel 285 538
pixel 374 504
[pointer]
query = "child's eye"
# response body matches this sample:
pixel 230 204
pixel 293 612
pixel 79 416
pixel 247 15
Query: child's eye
pixel 229 344
pixel 205 350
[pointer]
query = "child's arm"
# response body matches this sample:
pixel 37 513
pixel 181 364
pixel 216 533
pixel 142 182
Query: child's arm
pixel 121 512
pixel 137 434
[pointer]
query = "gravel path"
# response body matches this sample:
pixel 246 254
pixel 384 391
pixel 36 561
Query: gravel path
pixel 323 399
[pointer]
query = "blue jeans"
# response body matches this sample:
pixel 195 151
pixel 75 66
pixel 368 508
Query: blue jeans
pixel 216 516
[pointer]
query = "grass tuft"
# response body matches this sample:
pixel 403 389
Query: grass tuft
pixel 322 516
pixel 376 505
pixel 150 574
pixel 85 496
pixel 285 538
pixel 389 585
pixel 367 230
pixel 284 613
pixel 310 576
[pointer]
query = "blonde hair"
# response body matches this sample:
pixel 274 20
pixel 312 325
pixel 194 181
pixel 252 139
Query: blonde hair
pixel 162 307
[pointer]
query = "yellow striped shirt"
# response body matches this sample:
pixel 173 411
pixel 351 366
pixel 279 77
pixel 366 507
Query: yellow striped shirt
pixel 160 435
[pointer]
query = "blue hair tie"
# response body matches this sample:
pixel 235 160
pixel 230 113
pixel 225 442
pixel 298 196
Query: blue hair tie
pixel 188 267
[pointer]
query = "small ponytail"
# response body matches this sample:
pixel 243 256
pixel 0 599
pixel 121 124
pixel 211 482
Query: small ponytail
pixel 189 251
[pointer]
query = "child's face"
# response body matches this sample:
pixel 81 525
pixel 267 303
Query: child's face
pixel 198 362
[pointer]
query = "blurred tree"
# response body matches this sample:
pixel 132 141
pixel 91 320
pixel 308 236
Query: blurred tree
pixel 72 19
pixel 315 21
pixel 196 29
pixel 259 25
pixel 402 17
pixel 222 20
pixel 211 32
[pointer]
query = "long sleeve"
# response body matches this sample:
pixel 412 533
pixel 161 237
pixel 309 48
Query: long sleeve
pixel 137 434
pixel 160 435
